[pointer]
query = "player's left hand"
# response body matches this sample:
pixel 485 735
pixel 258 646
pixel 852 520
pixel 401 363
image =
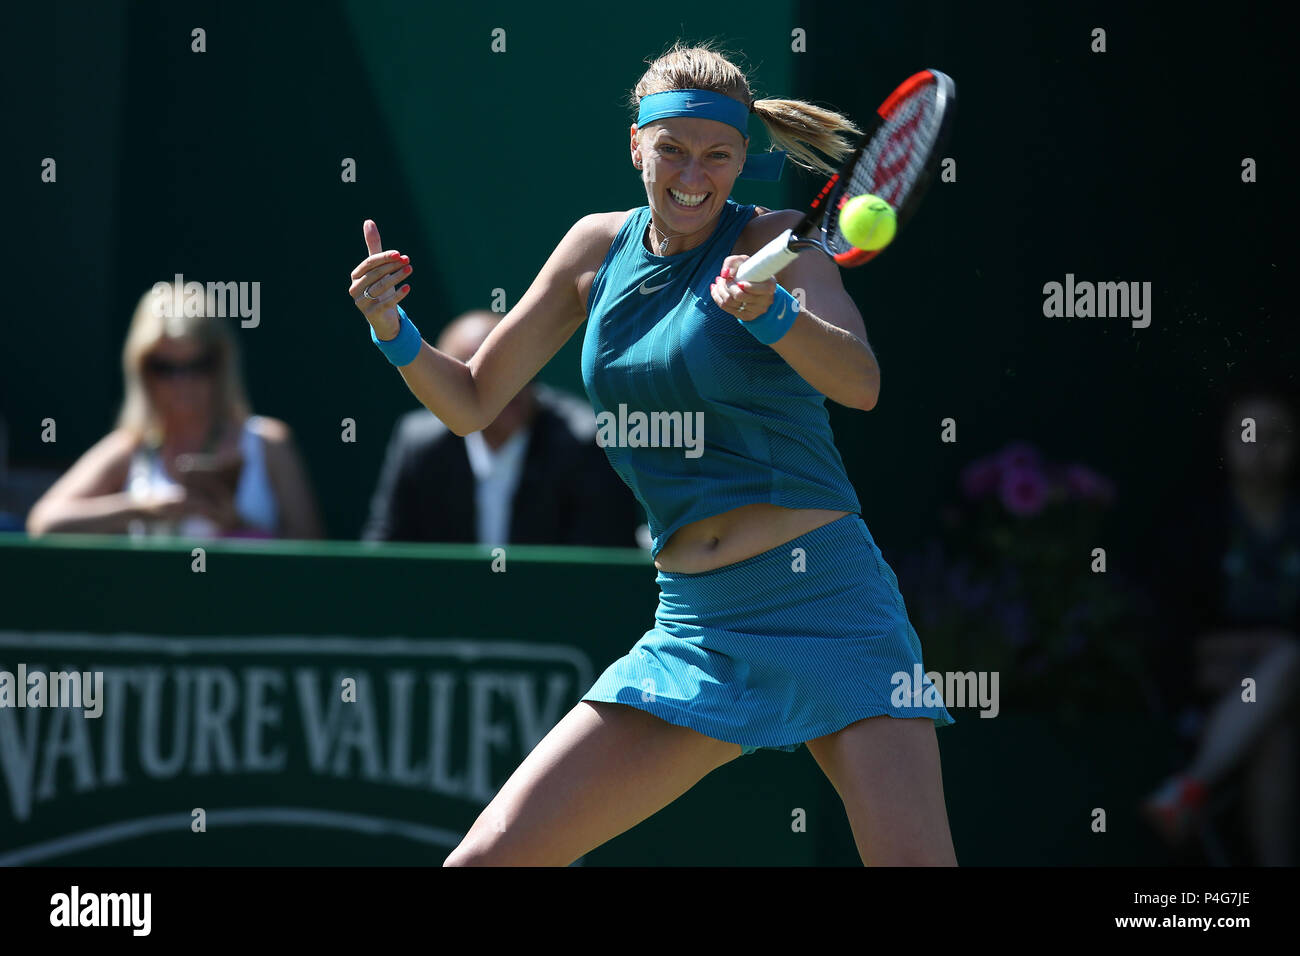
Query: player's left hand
pixel 744 300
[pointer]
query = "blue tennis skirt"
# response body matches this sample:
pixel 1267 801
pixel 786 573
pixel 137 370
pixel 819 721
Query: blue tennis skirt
pixel 784 647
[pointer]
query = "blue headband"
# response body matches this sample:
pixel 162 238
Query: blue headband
pixel 705 104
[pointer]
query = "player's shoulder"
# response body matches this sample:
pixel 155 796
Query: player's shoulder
pixel 600 227
pixel 772 222
pixel 765 226
pixel 590 237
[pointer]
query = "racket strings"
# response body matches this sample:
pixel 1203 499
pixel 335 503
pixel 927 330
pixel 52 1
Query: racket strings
pixel 894 160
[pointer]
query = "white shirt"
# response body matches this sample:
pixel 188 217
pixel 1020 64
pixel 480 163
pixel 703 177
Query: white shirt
pixel 254 497
pixel 496 476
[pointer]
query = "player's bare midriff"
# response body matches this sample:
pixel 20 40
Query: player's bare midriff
pixel 743 532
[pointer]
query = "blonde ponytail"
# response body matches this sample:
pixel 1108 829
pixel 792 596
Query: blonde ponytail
pixel 794 125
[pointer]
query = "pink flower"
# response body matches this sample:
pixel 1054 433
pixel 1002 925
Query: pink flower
pixel 1023 491
pixel 981 477
pixel 1086 483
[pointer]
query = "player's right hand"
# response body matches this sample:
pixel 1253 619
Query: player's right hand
pixel 379 274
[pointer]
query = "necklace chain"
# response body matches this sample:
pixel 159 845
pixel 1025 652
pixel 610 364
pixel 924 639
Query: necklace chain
pixel 663 245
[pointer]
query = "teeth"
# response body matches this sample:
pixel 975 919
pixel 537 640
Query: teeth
pixel 687 199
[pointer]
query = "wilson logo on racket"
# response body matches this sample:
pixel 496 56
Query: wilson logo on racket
pixel 895 161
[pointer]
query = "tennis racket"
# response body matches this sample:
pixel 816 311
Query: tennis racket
pixel 895 160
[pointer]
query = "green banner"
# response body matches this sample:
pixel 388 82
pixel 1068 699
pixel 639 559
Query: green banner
pixel 333 703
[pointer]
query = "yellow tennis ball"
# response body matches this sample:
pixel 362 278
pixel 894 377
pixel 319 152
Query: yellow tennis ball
pixel 868 222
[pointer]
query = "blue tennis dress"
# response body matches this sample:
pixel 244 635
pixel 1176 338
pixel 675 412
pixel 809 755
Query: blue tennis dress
pixel 698 417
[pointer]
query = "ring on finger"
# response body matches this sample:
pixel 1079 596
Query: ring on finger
pixel 366 294
pixel 742 307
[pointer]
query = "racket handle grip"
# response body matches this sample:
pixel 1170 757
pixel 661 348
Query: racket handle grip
pixel 769 260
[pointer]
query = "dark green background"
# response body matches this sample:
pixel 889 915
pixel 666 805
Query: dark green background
pixel 225 166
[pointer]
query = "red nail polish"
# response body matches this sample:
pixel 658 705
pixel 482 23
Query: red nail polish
pixel 395 255
pixel 407 269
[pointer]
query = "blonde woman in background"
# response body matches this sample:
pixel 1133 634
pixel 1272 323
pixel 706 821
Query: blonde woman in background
pixel 187 456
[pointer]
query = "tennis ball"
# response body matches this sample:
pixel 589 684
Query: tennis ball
pixel 868 222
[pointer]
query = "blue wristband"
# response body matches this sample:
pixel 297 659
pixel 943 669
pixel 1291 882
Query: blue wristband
pixel 403 349
pixel 776 321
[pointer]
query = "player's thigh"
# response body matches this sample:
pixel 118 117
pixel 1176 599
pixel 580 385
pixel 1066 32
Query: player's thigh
pixel 886 770
pixel 600 771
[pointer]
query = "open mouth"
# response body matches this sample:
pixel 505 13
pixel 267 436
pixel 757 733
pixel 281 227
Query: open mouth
pixel 687 200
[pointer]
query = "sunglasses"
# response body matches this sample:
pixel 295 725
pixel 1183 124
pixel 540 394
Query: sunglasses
pixel 162 368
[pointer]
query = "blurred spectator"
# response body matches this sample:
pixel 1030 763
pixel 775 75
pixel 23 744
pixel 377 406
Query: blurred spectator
pixel 187 456
pixel 534 476
pixel 1233 575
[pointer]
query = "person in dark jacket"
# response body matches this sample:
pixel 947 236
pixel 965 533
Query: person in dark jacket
pixel 534 476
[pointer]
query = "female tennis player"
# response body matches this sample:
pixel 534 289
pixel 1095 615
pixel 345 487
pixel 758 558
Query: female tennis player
pixel 779 622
